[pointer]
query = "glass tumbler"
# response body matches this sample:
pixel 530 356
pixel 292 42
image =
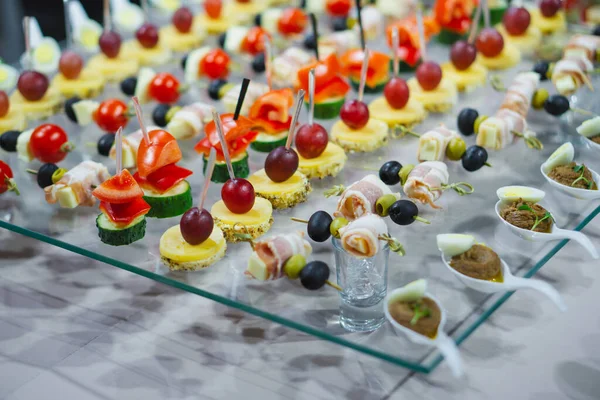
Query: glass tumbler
pixel 364 286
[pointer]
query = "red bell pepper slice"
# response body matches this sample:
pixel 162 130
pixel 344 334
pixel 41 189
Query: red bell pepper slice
pixel 119 189
pixel 162 150
pixel 164 178
pixel 124 214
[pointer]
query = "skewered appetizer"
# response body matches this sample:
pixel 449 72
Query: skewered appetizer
pixel 254 91
pixel 357 131
pixel 269 259
pixel 409 45
pixel 73 188
pixel 493 52
pixel 463 68
pixel 516 29
pixel 549 17
pixel 122 220
pixel 397 107
pixel 161 87
pixel 287 64
pixel 318 157
pixel 183 122
pixel 75 80
pixel 454 19
pixel 147 47
pixel 46 143
pixel 377 72
pixel 183 34
pixel 426 182
pixel 246 40
pixel 130 145
pixel 571 72
pixel 7 182
pixel 35 97
pixel 330 86
pixel 270 113
pixel 362 237
pixel 10 120
pixel 562 168
pixel 238 135
pixel 361 198
pixel 434 91
pixel 110 115
pixel 509 122
pixel 433 144
pixel 114 63
pixel 205 62
pixel 213 19
pixel 162 181
pixel 285 22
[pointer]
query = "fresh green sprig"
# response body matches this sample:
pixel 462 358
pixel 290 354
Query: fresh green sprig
pixel 421 311
pixel 581 170
pixel 337 190
pixel 538 220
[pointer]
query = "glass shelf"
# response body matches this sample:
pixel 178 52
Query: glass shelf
pixel 316 313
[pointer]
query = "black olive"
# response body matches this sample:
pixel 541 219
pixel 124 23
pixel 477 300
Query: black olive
pixel 258 63
pixel 389 172
pixel 309 41
pixel 159 114
pixel 8 141
pixel 44 175
pixel 557 105
pixel 184 61
pixel 214 88
pixel 466 121
pixel 541 67
pixel 128 85
pixel 258 20
pixel 302 4
pixel 596 31
pixel 403 212
pixel 69 108
pixel 314 275
pixel 318 226
pixel 339 24
pixel 105 143
pixel 474 158
pixel 221 39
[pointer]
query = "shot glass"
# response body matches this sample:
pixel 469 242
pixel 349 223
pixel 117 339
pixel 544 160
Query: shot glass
pixel 364 286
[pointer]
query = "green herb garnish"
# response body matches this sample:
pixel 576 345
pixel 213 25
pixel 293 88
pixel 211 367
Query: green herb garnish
pixel 581 169
pixel 538 220
pixel 421 311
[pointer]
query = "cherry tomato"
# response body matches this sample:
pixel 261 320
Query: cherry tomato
pixel 338 8
pixel 49 143
pixel 292 21
pixel 164 88
pixel 215 64
pixel 7 182
pixel 111 115
pixel 213 8
pixel 254 42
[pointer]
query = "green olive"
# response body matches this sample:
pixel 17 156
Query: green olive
pixel 550 70
pixel 383 204
pixel 336 225
pixel 294 265
pixel 456 148
pixel 59 173
pixel 404 171
pixel 539 98
pixel 171 113
pixel 478 122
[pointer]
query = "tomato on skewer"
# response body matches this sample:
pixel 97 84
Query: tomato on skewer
pixel 215 64
pixel 111 115
pixel 164 88
pixel 7 183
pixel 49 143
pixel 338 8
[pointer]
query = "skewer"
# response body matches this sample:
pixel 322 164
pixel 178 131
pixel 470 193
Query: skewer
pixel 360 24
pixel 224 148
pixel 241 97
pixel 299 100
pixel 363 74
pixel 138 113
pixel 311 96
pixel 421 30
pixel 210 167
pixel 68 34
pixel 119 149
pixel 106 16
pixel 315 29
pixel 395 45
pixel 26 32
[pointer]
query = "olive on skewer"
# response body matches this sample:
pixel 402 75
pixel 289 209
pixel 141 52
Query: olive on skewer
pixel 48 174
pixel 128 86
pixel 8 141
pixel 313 275
pixel 105 143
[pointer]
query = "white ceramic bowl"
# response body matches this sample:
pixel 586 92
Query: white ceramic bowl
pixel 582 194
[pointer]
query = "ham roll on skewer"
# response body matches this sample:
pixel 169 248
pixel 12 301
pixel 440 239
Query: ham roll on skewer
pixel 433 143
pixel 75 187
pixel 189 121
pixel 361 237
pixel 424 183
pixel 269 256
pixel 497 132
pixel 570 73
pixel 360 198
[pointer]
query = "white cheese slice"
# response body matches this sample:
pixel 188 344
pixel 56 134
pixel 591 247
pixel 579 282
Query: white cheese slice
pixel 23 146
pixel 235 37
pixel 84 111
pixel 192 63
pixel 145 76
pixel 269 19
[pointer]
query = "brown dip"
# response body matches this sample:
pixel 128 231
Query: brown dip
pixel 595 139
pixel 479 262
pixel 566 174
pixel 403 312
pixel 525 219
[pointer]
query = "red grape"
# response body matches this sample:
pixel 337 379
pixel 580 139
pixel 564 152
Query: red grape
pixel 33 85
pixel 70 64
pixel 429 75
pixel 182 19
pixel 110 44
pixel 516 20
pixel 311 140
pixel 489 42
pixel 396 93
pixel 462 55
pixel 196 225
pixel 549 8
pixel 4 103
pixel 355 114
pixel 281 164
pixel 238 195
pixel 147 35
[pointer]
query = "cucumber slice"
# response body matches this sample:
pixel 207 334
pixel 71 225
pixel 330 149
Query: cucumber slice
pixel 403 66
pixel 171 203
pixel 114 235
pixel 221 175
pixel 450 37
pixel 368 89
pixel 329 109
pixel 265 142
